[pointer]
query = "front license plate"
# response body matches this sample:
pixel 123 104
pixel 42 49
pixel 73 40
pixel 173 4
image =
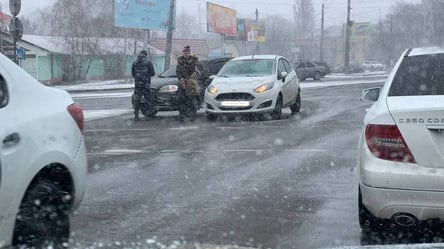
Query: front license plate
pixel 235 103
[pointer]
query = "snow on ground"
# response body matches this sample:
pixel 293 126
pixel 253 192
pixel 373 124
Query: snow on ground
pixel 99 114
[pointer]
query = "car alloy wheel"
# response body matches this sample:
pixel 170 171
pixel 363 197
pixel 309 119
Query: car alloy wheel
pixel 277 112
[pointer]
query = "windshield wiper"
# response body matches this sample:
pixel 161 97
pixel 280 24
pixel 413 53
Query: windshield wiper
pixel 224 76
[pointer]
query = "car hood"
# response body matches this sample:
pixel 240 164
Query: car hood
pixel 157 82
pixel 241 83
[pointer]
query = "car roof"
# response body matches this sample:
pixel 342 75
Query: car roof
pixel 262 56
pixel 426 50
pixel 216 58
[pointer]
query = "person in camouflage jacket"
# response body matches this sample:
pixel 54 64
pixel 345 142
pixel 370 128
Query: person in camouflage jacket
pixel 188 74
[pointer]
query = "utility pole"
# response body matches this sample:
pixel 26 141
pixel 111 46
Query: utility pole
pixel 169 40
pixel 321 55
pixel 347 39
pixel 146 42
pixel 257 20
pixel 392 47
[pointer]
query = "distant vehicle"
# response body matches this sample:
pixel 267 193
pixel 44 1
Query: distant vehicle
pixel 401 164
pixel 373 66
pixel 255 85
pixel 324 64
pixel 308 69
pixel 42 158
pixel 164 88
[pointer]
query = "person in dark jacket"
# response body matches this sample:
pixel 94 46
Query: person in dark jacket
pixel 188 73
pixel 142 70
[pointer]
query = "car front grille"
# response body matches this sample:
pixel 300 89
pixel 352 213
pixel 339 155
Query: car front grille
pixel 235 108
pixel 235 96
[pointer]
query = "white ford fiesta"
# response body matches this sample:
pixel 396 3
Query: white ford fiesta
pixel 253 84
pixel 42 160
pixel 401 150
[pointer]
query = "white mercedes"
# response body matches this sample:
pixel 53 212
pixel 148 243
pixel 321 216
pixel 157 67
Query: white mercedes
pixel 401 152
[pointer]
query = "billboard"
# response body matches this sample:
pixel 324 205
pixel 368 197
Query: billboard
pixel 360 29
pixel 221 20
pixel 256 31
pixel 141 14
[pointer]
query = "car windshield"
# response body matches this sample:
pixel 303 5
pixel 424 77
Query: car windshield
pixel 248 68
pixel 289 124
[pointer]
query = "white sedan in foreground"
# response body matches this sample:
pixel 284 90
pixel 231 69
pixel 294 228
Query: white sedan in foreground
pixel 253 84
pixel 42 160
pixel 401 150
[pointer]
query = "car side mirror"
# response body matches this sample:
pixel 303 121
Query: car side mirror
pixel 370 94
pixel 282 76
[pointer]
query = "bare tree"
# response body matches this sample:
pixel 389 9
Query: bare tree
pixel 279 36
pixel 303 13
pixel 186 26
pixel 81 26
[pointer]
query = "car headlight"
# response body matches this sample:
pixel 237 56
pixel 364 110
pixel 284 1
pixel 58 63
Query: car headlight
pixel 264 87
pixel 168 89
pixel 212 90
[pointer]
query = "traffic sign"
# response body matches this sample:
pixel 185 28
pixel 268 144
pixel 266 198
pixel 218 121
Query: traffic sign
pixel 20 53
pixel 15 6
pixel 16 28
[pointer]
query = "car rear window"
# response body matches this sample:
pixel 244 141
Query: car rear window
pixel 419 75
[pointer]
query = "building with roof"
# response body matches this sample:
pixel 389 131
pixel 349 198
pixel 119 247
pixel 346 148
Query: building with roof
pixel 50 59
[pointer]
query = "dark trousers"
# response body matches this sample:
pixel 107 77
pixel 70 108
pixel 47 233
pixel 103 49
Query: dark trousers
pixel 138 93
pixel 188 105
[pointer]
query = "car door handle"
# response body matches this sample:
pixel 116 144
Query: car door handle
pixel 11 140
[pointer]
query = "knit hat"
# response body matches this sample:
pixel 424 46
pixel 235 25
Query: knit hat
pixel 143 52
pixel 186 49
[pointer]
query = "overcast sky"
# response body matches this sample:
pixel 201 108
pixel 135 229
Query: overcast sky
pixel 335 10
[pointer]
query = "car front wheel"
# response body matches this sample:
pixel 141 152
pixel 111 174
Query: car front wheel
pixel 296 107
pixel 148 111
pixel 211 117
pixel 277 112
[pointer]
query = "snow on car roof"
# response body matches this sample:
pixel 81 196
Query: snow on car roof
pixel 267 56
pixel 426 50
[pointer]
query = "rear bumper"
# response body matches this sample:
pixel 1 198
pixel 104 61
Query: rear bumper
pixel 389 187
pixel 384 202
pixel 79 169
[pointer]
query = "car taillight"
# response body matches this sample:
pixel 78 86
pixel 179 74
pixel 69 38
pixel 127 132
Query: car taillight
pixel 386 142
pixel 76 112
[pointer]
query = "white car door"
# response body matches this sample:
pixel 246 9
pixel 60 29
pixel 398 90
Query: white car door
pixel 9 141
pixel 289 89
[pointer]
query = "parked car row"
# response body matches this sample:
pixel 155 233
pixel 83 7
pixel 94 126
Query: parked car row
pixel 372 66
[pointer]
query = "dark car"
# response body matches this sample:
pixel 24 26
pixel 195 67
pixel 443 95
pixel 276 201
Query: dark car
pixel 308 69
pixel 324 64
pixel 163 91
